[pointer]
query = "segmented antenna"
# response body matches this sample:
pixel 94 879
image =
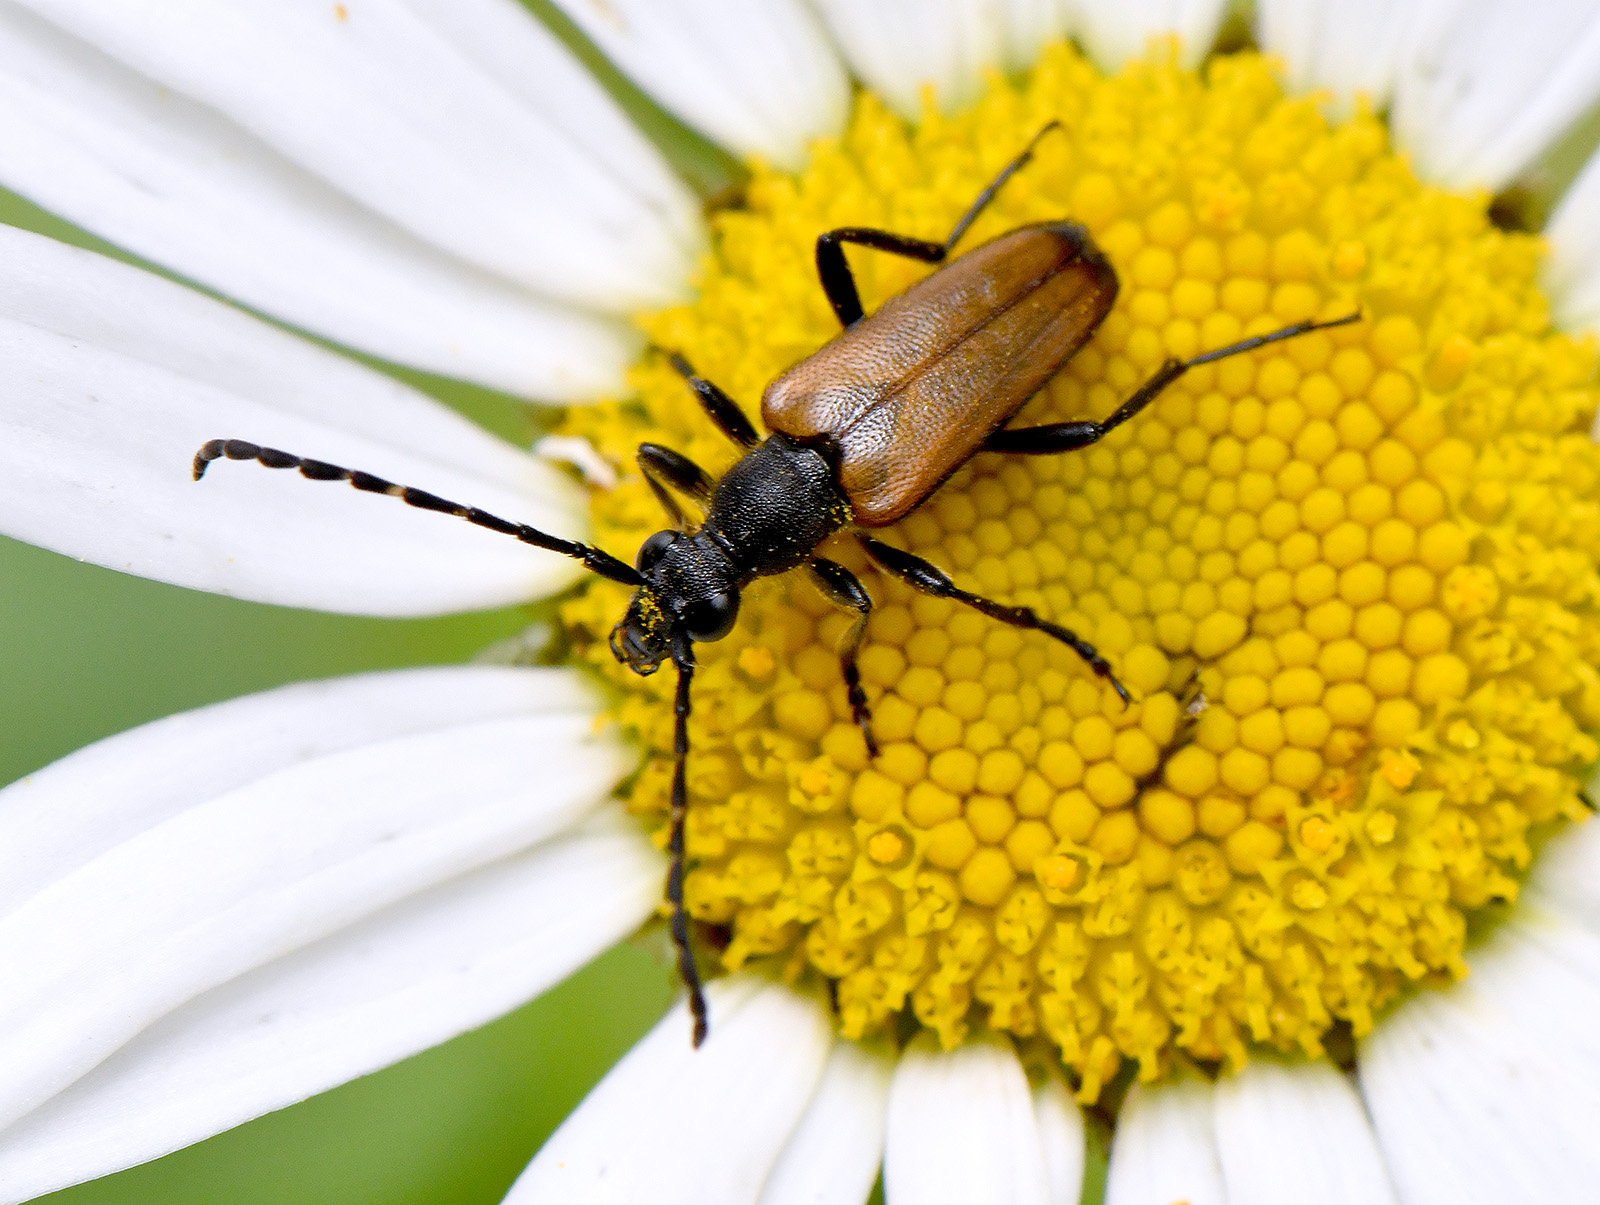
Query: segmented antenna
pixel 594 559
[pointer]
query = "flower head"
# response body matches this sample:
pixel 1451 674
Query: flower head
pixel 1349 579
pixel 1357 661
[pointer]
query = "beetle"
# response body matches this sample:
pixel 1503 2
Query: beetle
pixel 860 433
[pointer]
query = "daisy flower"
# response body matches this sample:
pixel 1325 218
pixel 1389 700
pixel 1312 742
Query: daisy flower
pixel 1274 924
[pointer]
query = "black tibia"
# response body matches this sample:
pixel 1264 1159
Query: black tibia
pixel 667 470
pixel 842 588
pixel 834 271
pixel 930 579
pixel 1065 437
pixel 593 558
pixel 683 658
pixel 724 411
pixel 1052 437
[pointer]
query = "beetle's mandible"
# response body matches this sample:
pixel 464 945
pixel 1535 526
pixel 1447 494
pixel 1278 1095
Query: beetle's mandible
pixel 861 432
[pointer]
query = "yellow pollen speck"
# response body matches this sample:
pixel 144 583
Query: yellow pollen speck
pixel 1317 835
pixel 814 779
pixel 1349 580
pixel 757 662
pixel 1400 767
pixel 886 847
pixel 1349 259
pixel 1449 362
pixel 1306 894
pixel 1060 873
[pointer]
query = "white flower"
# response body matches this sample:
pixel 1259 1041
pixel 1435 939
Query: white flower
pixel 194 927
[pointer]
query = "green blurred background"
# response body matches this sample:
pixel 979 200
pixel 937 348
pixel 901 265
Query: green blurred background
pixel 86 652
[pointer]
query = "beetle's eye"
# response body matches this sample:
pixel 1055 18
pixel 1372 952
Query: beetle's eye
pixel 710 618
pixel 650 551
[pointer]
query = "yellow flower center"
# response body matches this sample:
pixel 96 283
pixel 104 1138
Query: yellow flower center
pixel 1349 579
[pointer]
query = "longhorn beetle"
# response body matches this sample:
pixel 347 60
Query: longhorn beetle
pixel 861 432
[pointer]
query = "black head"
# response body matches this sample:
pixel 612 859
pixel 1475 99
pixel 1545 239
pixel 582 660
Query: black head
pixel 690 592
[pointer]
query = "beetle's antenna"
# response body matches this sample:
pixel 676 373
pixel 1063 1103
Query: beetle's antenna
pixel 683 658
pixel 593 558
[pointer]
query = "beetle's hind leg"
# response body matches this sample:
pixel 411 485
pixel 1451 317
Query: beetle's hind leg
pixel 930 579
pixel 1065 437
pixel 834 270
pixel 843 588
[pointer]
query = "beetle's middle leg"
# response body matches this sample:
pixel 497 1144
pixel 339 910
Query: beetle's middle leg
pixel 930 579
pixel 1064 437
pixel 834 271
pixel 667 470
pixel 843 588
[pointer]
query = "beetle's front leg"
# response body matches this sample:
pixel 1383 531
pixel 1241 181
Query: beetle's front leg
pixel 667 470
pixel 930 579
pixel 678 921
pixel 843 588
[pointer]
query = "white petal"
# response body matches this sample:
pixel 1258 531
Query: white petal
pixel 1490 1091
pixel 1164 1148
pixel 899 47
pixel 1117 32
pixel 1061 1137
pixel 962 1129
pixel 60 818
pixel 759 79
pixel 1296 1132
pixel 413 975
pixel 1566 875
pixel 1572 269
pixel 1348 46
pixel 253 872
pixel 1487 85
pixel 835 1151
pixel 115 377
pixel 582 455
pixel 671 1124
pixel 1026 25
pixel 175 182
pixel 405 108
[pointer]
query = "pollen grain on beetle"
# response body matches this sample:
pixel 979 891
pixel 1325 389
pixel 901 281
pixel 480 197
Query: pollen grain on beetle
pixel 1350 581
